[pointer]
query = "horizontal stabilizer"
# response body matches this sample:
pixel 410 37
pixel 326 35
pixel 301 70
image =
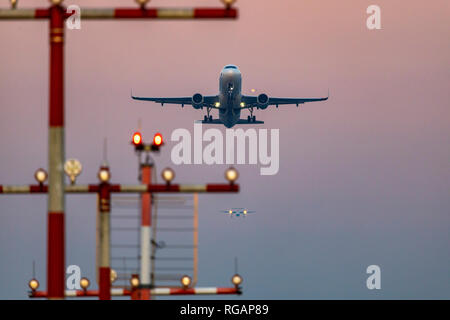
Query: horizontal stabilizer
pixel 213 121
pixel 240 121
pixel 245 121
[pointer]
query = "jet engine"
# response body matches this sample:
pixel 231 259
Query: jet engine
pixel 263 101
pixel 197 101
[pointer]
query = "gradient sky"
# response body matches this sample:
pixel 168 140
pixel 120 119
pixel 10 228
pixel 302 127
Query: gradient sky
pixel 364 177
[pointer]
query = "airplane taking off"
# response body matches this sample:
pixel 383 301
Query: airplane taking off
pixel 230 101
pixel 237 212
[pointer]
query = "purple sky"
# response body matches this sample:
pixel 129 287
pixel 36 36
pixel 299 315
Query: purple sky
pixel 364 177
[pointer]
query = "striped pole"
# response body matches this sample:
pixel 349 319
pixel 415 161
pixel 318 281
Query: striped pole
pixel 126 13
pixel 55 237
pixel 146 223
pixel 105 240
pixel 123 188
pixel 154 291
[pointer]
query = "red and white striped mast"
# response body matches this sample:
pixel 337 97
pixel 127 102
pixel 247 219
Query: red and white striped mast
pixel 56 15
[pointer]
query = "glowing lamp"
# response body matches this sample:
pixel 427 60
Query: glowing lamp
pixel 236 280
pixel 33 284
pixel 134 281
pixel 103 174
pixel 158 139
pixel 40 175
pixel 185 281
pixel 84 283
pixel 72 168
pixel 168 175
pixel 113 275
pixel 137 138
pixel 231 174
pixel 228 3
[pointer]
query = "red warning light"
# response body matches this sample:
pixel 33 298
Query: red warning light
pixel 137 138
pixel 158 139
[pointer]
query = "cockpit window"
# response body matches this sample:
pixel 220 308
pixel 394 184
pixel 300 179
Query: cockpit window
pixel 230 66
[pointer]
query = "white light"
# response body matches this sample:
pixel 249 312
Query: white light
pixel 186 281
pixel 40 175
pixel 168 175
pixel 33 284
pixel 142 2
pixel 84 283
pixel 231 174
pixel 56 2
pixel 228 3
pixel 113 275
pixel 217 104
pixel 242 104
pixel 104 174
pixel 236 279
pixel 134 281
pixel 72 168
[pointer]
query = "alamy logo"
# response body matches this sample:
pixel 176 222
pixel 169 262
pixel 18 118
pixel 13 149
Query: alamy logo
pixel 74 276
pixel 374 20
pixel 74 21
pixel 374 280
pixel 214 151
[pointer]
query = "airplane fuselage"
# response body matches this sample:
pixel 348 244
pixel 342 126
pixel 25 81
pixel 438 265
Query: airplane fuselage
pixel 230 84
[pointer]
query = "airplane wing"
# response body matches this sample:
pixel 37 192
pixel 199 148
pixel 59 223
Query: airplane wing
pixel 208 101
pixel 251 101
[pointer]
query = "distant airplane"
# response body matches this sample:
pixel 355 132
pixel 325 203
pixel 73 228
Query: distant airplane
pixel 230 101
pixel 237 212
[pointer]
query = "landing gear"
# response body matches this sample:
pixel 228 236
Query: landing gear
pixel 251 117
pixel 208 118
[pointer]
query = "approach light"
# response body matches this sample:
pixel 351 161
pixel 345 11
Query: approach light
pixel 168 175
pixel 72 168
pixel 33 284
pixel 242 104
pixel 217 104
pixel 137 138
pixel 228 3
pixel 134 281
pixel 40 175
pixel 56 2
pixel 231 174
pixel 158 139
pixel 84 283
pixel 113 275
pixel 142 2
pixel 103 174
pixel 185 281
pixel 236 280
